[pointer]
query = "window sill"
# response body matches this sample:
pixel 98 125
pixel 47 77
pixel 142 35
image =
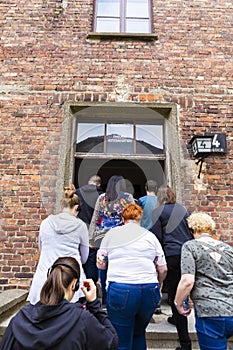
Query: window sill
pixel 122 36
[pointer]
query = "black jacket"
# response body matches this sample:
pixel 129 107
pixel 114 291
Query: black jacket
pixel 88 195
pixel 171 228
pixel 65 326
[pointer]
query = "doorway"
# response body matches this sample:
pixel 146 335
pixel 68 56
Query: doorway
pixel 136 172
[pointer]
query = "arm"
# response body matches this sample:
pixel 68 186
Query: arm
pixel 94 219
pixel 100 332
pixel 84 244
pixel 183 290
pixel 162 273
pixel 8 339
pixel 102 259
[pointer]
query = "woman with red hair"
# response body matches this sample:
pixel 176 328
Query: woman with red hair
pixel 136 268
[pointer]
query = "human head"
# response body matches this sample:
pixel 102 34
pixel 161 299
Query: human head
pixel 151 186
pixel 201 222
pixel 63 274
pixel 132 212
pixel 116 184
pixel 166 195
pixel 70 198
pixel 95 180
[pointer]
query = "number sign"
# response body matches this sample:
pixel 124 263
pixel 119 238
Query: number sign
pixel 208 144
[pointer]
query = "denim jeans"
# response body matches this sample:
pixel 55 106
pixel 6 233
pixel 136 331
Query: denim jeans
pixel 213 332
pixel 130 308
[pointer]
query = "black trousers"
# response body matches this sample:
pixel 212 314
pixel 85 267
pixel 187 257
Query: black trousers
pixel 172 281
pixel 90 267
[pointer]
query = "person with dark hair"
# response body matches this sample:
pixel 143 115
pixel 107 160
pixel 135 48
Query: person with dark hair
pixel 108 214
pixel 171 228
pixel 88 195
pixel 136 269
pixel 56 324
pixel 62 234
pixel 148 203
pixel 207 274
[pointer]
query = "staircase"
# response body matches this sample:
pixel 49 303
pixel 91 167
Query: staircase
pixel 160 334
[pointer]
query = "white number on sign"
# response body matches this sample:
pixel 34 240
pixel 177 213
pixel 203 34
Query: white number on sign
pixel 215 142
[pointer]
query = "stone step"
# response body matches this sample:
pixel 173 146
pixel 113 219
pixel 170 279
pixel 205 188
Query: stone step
pixel 11 301
pixel 162 335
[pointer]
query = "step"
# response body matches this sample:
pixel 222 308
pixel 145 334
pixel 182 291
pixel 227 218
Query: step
pixel 11 301
pixel 162 335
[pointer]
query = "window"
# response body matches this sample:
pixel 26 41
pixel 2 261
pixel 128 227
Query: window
pixel 118 138
pixel 123 16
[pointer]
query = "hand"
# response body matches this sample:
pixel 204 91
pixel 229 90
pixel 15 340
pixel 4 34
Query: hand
pixel 89 290
pixel 182 311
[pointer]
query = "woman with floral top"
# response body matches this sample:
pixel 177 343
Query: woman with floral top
pixel 108 214
pixel 207 272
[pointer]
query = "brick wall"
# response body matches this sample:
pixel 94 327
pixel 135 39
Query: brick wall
pixel 47 60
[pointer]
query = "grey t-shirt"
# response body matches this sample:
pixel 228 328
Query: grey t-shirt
pixel 212 292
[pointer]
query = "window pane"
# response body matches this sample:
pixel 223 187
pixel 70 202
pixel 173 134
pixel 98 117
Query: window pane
pixel 137 8
pixel 108 25
pixel 149 139
pixel 90 138
pixel 120 138
pixel 108 8
pixel 137 26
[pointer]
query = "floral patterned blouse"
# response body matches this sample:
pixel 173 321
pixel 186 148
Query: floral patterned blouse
pixel 108 215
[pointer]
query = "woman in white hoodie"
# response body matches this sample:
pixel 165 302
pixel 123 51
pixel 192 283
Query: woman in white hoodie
pixel 62 234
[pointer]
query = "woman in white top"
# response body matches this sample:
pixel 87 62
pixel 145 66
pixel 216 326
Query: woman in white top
pixel 62 234
pixel 136 268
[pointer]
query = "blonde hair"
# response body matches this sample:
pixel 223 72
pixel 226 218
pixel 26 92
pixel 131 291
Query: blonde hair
pixel 201 222
pixel 70 198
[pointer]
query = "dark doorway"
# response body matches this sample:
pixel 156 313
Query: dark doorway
pixel 136 172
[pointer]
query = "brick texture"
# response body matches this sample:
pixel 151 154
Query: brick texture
pixel 47 60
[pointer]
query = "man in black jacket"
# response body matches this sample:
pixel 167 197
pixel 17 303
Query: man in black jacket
pixel 88 195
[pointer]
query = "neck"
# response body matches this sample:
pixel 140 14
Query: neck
pixel 205 234
pixel 135 221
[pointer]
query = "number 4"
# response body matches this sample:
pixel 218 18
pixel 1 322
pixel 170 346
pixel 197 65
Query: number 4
pixel 215 142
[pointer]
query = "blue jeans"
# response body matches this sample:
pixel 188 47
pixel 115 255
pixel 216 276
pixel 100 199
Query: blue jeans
pixel 213 332
pixel 130 308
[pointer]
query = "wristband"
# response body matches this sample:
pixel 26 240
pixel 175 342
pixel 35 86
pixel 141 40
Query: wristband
pixel 176 305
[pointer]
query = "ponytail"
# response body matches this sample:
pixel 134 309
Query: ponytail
pixel 52 291
pixel 60 276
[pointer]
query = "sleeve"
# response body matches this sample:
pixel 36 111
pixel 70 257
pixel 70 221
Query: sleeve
pixel 100 332
pixel 39 237
pixel 84 244
pixel 157 228
pixel 140 203
pixel 7 342
pixel 131 199
pixel 188 263
pixel 94 219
